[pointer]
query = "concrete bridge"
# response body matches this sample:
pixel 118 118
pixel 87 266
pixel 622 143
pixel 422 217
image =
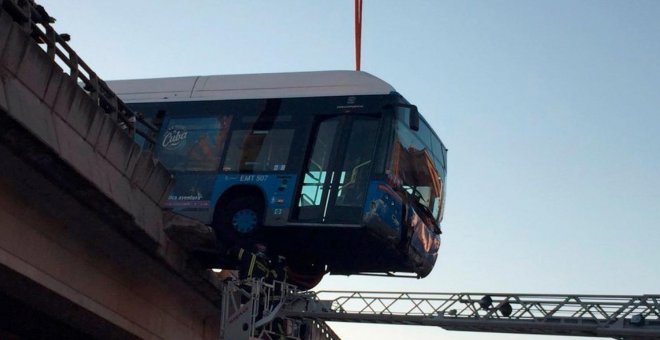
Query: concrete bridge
pixel 82 248
pixel 83 252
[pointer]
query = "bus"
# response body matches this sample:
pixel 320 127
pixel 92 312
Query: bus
pixel 333 170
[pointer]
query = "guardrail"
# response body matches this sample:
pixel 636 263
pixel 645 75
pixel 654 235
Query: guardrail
pixel 34 19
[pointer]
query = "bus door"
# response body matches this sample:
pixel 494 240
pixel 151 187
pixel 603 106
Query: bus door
pixel 337 169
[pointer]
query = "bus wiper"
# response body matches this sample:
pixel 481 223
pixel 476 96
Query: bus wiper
pixel 429 213
pixel 418 195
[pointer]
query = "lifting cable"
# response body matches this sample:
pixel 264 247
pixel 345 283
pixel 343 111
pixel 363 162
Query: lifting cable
pixel 358 32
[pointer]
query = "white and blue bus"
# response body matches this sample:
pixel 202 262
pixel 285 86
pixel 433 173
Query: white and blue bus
pixel 333 170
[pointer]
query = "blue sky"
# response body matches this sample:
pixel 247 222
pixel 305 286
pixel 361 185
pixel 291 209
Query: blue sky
pixel 550 111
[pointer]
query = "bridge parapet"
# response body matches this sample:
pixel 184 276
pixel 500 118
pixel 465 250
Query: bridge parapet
pixel 69 158
pixel 85 128
pixel 80 123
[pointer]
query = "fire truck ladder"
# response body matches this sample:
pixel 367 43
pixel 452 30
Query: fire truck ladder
pixel 614 316
pixel 253 309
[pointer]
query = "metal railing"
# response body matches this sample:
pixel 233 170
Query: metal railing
pixel 36 21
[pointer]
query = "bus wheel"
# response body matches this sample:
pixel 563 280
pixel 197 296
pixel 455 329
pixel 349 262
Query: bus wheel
pixel 305 276
pixel 240 220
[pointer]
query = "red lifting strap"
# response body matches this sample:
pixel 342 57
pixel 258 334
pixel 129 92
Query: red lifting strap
pixel 358 32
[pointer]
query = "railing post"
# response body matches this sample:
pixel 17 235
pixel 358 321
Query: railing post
pixel 35 21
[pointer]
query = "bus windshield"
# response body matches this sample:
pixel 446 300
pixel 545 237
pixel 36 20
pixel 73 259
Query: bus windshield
pixel 417 165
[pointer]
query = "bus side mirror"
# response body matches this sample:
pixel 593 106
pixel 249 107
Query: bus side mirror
pixel 413 119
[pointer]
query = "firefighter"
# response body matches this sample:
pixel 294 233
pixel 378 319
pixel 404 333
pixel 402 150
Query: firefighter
pixel 278 271
pixel 251 264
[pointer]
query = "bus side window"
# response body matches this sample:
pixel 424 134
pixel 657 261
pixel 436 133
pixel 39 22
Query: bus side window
pixel 259 150
pixel 193 144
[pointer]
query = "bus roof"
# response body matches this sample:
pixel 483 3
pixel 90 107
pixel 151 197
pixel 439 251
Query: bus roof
pixel 251 86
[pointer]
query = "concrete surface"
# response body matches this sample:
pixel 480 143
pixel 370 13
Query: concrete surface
pixel 81 228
